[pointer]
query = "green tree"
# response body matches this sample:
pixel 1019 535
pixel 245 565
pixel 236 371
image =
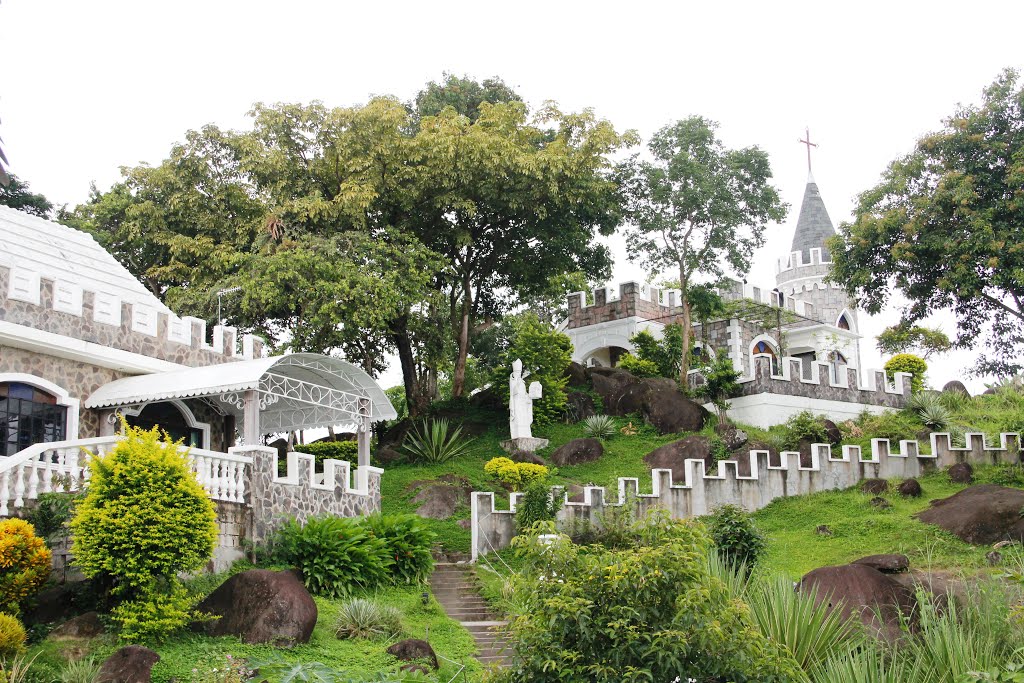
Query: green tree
pixel 943 229
pixel 697 207
pixel 720 384
pixel 16 194
pixel 666 353
pixel 899 338
pixel 546 355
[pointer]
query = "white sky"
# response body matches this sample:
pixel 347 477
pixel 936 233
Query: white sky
pixel 91 86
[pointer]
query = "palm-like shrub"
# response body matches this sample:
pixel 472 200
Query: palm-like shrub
pixel 435 442
pixel 361 618
pixel 407 542
pixel 335 554
pixel 599 427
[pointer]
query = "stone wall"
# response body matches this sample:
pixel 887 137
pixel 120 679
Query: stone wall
pixel 701 492
pixel 303 493
pixel 234 528
pixel 119 325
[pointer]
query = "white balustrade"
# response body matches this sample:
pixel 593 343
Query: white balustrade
pixel 61 466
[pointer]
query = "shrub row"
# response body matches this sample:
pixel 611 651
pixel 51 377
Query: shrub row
pixel 337 555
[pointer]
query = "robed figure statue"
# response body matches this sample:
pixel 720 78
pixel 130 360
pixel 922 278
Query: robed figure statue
pixel 520 402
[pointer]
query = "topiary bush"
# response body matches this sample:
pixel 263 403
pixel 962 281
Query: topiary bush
pixel 907 362
pixel 408 541
pixel 331 450
pixel 144 520
pixel 515 475
pixel 12 637
pixel 737 538
pixel 336 555
pixel 25 564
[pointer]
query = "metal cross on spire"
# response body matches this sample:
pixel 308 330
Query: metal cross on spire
pixel 807 141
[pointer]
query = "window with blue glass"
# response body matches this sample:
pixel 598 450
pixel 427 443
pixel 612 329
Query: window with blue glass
pixel 29 416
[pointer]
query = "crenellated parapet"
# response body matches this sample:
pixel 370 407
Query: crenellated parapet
pixel 64 308
pixel 825 381
pixel 701 490
pixel 795 260
pixel 629 300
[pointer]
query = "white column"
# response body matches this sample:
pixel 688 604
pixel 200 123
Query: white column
pixel 363 442
pixel 251 417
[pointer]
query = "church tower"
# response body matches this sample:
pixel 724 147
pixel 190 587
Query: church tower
pixel 800 275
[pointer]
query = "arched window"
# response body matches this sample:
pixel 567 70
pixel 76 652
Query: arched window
pixel 843 323
pixel 28 416
pixel 763 347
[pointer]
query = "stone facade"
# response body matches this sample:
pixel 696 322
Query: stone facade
pixel 769 479
pixel 300 494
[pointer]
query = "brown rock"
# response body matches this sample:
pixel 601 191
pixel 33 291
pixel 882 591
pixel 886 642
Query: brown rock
pixel 874 486
pixel 261 606
pixel 131 664
pixel 910 488
pixel 832 432
pixel 439 500
pixel 880 503
pixel 577 375
pixel 672 456
pixel 414 650
pixel 527 456
pixel 577 451
pixel 87 625
pixel 579 405
pixel 669 411
pixel 395 434
pixel 980 514
pixel 862 591
pixel 955 386
pixel 961 473
pixel 823 530
pixel 994 557
pixel 733 437
pixel 887 564
pixel 387 456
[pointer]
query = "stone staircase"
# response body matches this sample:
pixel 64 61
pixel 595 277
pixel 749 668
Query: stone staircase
pixel 456 588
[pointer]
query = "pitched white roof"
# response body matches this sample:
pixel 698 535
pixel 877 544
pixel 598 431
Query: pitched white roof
pixel 224 380
pixel 58 252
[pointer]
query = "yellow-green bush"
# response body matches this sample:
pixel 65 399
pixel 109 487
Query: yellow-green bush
pixel 144 520
pixel 12 637
pixel 24 563
pixel 514 475
pixel 908 362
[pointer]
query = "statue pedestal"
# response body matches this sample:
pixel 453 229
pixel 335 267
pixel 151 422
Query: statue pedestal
pixel 524 443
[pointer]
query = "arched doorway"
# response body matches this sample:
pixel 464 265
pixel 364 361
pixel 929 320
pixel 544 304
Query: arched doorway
pixel 171 419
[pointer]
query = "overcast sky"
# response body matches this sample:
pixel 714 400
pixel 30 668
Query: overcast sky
pixel 92 86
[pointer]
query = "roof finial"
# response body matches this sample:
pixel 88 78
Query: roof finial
pixel 807 141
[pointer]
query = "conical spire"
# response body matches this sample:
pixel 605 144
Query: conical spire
pixel 814 226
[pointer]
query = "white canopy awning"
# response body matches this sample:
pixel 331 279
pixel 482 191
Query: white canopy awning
pixel 297 391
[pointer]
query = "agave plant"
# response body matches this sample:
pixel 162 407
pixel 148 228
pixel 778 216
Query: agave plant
pixel 361 618
pixel 432 443
pixel 599 427
pixel 935 417
pixel 81 671
pixel 922 401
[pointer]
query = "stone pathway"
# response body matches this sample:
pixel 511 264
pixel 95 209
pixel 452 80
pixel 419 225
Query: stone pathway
pixel 455 587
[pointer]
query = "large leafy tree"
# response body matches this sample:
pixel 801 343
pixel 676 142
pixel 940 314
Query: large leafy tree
pixel 698 207
pixel 17 195
pixel 944 228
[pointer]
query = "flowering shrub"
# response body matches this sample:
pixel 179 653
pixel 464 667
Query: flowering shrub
pixel 24 563
pixel 514 475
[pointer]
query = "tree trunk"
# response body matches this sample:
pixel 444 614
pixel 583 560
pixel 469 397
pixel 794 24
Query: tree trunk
pixel 400 335
pixel 459 376
pixel 684 300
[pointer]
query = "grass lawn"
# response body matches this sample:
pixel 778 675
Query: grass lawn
pixel 180 655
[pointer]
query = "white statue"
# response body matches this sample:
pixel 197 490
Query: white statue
pixel 520 402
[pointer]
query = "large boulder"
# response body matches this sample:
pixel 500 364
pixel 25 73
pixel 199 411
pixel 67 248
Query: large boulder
pixel 439 498
pixel 910 488
pixel 669 411
pixel 395 435
pixel 733 436
pixel 862 591
pixel 580 405
pixel 83 626
pixel 608 383
pixel 578 376
pixel 874 487
pixel 414 650
pixel 672 456
pixel 886 563
pixel 131 664
pixel 832 432
pixel 261 606
pixel 980 515
pixel 527 456
pixel 488 398
pixel 385 456
pixel 955 386
pixel 577 451
pixel 961 473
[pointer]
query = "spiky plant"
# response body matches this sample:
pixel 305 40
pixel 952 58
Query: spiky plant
pixel 433 442
pixel 361 618
pixel 599 427
pixel 935 417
